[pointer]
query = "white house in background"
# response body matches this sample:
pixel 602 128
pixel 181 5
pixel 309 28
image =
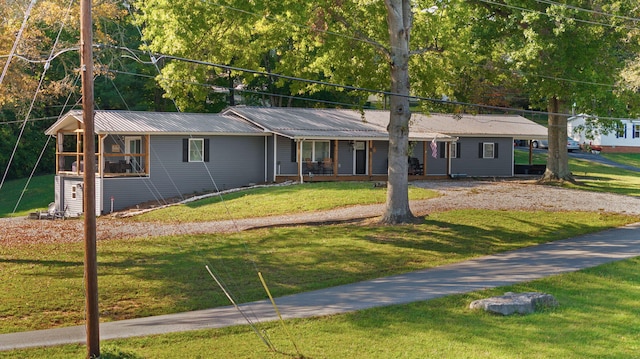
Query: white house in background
pixel 625 139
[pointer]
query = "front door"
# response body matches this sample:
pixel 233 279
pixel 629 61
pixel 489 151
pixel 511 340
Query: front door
pixel 360 157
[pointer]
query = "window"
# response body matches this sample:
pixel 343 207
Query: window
pixel 195 150
pixel 455 150
pixel 621 130
pixel 636 130
pixel 316 150
pixel 488 150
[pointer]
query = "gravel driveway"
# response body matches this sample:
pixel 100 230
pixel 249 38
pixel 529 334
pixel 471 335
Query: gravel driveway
pixel 456 194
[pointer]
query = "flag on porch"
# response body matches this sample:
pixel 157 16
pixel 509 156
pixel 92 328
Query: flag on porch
pixel 434 148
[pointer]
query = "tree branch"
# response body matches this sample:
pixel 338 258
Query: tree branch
pixel 380 48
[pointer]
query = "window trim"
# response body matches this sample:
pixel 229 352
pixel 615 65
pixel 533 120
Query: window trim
pixel 621 130
pixel 313 143
pixel 455 150
pixel 484 147
pixel 193 149
pixel 187 149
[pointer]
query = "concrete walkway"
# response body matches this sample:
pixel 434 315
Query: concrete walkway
pixel 486 272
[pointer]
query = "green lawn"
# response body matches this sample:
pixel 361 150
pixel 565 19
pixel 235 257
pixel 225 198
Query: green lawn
pixel 262 202
pixel 631 159
pixel 38 195
pixel 592 176
pixel 601 178
pixel 43 284
pixel 521 157
pixel 598 317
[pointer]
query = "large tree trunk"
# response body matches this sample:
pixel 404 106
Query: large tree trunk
pixel 399 22
pixel 558 157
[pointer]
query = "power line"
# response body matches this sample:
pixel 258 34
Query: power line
pixel 15 44
pixel 549 2
pixel 30 120
pixel 355 88
pixel 560 16
pixel 35 95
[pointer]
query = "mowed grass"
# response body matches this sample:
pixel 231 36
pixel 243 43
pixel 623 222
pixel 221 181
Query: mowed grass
pixel 38 195
pixel 598 317
pixel 602 178
pixel 592 176
pixel 42 285
pixel 630 159
pixel 271 201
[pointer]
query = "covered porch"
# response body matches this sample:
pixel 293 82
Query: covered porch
pixel 355 159
pixel 116 155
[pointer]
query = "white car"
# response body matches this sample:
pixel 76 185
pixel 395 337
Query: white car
pixel 540 143
pixel 572 145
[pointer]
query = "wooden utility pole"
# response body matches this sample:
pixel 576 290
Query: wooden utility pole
pixel 89 193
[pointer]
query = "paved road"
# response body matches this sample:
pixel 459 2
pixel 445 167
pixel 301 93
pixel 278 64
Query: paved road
pixel 599 159
pixel 486 272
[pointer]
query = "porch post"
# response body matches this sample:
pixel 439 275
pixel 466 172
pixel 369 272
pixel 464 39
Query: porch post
pixel 424 158
pixel 147 154
pixel 299 145
pixel 59 149
pixel 448 147
pixel 79 150
pixel 370 159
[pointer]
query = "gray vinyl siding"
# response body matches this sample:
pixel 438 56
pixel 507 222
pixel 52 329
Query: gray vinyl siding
pixel 270 168
pixel 286 156
pixel 345 158
pixel 380 153
pixel 69 194
pixel 471 163
pixel 234 161
pixel 437 166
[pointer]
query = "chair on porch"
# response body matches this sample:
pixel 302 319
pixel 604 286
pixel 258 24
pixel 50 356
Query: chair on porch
pixel 308 166
pixel 327 166
pixel 415 168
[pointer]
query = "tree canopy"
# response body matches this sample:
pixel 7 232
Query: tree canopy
pixel 555 56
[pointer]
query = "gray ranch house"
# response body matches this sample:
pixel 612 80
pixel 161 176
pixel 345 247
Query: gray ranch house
pixel 147 156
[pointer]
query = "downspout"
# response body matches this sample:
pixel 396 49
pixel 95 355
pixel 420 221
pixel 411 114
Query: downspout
pixel 449 158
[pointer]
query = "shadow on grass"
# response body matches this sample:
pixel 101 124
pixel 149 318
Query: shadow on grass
pixel 297 259
pixel 588 323
pixel 142 277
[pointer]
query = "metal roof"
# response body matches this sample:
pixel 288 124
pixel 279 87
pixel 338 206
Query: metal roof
pixel 303 123
pixel 311 123
pixel 467 125
pixel 136 122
